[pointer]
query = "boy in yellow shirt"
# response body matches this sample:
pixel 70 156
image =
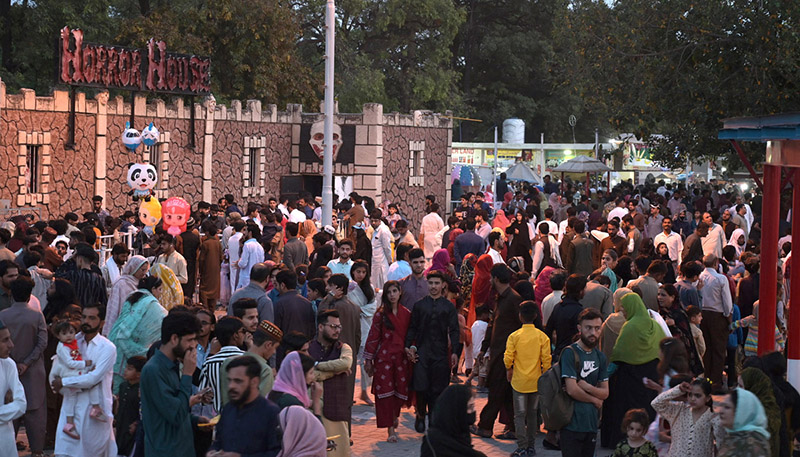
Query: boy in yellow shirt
pixel 527 356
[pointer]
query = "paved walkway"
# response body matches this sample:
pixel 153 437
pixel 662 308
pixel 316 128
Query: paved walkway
pixel 370 441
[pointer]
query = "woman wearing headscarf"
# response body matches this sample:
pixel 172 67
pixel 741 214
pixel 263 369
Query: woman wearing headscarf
pixel 759 384
pixel 609 332
pixel 448 435
pixel 303 434
pixel 451 245
pixel 738 241
pixel 669 306
pixel 307 230
pixel 500 220
pixel 441 262
pixel 635 355
pixel 521 243
pixel 745 421
pixel 171 290
pixel 291 384
pixel 608 264
pixel 466 276
pixel 542 286
pixel 132 272
pixel 481 286
pixel 138 325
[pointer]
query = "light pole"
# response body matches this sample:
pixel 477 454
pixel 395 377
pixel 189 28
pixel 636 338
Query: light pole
pixel 327 157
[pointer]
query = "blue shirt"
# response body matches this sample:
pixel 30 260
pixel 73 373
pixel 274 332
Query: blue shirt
pixel 338 267
pixel 398 270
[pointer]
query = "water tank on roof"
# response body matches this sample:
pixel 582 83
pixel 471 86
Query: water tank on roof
pixel 514 131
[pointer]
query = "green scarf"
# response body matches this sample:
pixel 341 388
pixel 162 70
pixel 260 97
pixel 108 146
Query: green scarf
pixel 757 382
pixel 638 340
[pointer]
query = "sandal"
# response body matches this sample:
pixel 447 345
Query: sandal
pixel 393 438
pixel 70 431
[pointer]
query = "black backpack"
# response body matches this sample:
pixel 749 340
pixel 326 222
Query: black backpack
pixel 555 404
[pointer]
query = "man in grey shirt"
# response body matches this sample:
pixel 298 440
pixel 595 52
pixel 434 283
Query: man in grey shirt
pixel 598 296
pixel 295 251
pixel 256 289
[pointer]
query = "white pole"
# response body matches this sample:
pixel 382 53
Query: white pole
pixel 327 158
pixel 494 172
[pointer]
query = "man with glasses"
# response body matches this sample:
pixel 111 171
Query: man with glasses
pixel 338 405
pixel 231 334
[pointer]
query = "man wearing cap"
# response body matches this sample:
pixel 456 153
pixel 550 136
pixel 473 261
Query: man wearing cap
pixel 97 208
pixel 9 383
pixel 128 221
pixel 262 347
pixel 653 226
pixel 85 277
pixel 29 332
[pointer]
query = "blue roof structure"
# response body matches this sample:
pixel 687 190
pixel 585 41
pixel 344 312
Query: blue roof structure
pixel 784 126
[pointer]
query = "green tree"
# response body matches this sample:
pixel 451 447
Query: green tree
pixel 677 67
pixel 395 52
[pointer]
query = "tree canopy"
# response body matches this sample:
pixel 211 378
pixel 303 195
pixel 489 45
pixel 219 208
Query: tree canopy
pixel 668 67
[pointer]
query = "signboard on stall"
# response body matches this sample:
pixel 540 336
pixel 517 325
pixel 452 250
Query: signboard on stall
pixel 555 157
pixel 636 156
pixel 81 63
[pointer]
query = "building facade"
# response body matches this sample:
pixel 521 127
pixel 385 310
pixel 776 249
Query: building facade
pixel 243 149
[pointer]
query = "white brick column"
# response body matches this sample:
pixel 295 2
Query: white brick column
pixel 101 144
pixel 208 148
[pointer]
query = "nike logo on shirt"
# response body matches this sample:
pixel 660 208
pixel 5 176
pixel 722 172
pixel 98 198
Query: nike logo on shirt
pixel 588 368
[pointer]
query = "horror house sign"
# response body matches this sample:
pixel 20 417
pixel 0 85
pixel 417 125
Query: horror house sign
pixel 116 67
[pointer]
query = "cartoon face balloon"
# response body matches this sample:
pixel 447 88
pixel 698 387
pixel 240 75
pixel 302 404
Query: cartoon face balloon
pixel 176 212
pixel 150 212
pixel 150 135
pixel 131 137
pixel 317 139
pixel 142 177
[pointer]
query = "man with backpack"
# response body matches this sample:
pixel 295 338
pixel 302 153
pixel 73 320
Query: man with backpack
pixel 586 384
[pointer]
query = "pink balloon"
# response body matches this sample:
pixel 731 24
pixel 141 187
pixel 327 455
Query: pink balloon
pixel 175 212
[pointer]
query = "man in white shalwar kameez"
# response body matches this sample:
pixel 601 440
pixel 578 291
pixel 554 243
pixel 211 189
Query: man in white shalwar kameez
pixel 97 437
pixel 381 250
pixel 431 224
pixel 9 382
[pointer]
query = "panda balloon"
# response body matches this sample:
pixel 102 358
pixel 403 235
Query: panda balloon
pixel 142 177
pixel 131 137
pixel 150 135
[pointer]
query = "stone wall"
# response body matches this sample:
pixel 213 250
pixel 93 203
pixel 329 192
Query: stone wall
pixel 397 157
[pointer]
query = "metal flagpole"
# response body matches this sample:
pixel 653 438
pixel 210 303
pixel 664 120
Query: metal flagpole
pixel 494 172
pixel 327 158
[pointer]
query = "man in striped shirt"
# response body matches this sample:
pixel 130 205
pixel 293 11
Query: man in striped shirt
pixel 231 334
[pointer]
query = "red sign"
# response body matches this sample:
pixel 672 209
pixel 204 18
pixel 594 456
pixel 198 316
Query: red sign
pixel 87 64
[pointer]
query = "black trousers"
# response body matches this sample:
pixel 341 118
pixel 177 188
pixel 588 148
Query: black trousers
pixel 578 444
pixel 500 396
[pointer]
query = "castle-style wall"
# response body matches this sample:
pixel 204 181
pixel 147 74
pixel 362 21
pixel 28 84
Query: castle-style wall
pixel 397 157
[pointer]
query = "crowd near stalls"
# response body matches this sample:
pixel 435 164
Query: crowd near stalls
pixel 239 328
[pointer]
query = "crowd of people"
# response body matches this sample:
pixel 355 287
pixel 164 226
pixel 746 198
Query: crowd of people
pixel 626 309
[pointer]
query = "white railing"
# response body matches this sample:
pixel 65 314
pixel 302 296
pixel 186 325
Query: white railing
pixel 107 243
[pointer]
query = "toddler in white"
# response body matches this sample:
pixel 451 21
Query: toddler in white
pixel 66 363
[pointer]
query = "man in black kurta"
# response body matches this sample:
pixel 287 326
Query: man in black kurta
pixel 506 322
pixel 433 320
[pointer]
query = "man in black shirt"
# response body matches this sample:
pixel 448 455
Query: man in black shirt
pixel 564 320
pixel 433 319
pixel 249 422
